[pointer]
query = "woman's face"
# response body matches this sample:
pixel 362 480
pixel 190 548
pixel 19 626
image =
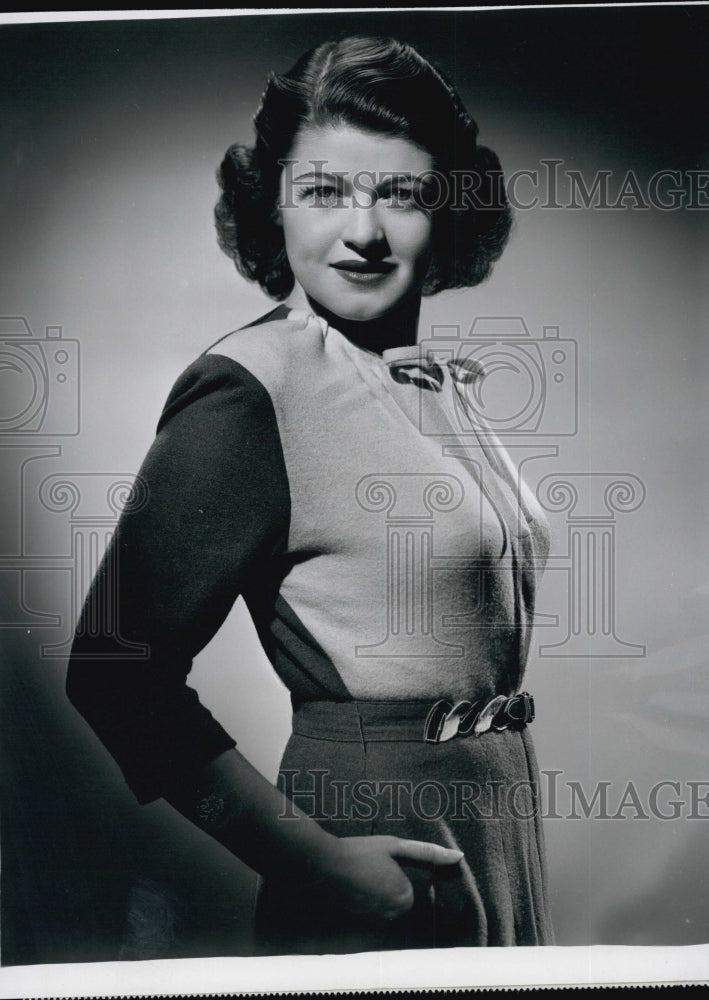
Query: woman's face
pixel 357 241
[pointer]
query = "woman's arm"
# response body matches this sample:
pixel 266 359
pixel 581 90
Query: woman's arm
pixel 216 512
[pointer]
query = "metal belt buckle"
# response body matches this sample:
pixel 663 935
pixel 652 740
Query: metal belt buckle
pixel 465 718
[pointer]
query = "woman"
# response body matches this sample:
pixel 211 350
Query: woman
pixel 320 464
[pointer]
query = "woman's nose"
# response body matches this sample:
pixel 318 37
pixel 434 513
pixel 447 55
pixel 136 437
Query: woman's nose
pixel 362 229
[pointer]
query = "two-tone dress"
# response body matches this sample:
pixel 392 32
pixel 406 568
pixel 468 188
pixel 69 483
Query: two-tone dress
pixel 388 555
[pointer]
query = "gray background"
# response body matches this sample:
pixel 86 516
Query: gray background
pixel 111 136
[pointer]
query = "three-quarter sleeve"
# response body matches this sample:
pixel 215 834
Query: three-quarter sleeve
pixel 213 520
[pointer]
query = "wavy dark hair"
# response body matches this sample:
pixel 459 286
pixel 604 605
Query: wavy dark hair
pixel 379 85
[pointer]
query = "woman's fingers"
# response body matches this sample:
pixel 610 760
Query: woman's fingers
pixel 424 851
pixel 364 873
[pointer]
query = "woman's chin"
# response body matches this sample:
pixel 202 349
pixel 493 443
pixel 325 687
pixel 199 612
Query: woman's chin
pixel 360 315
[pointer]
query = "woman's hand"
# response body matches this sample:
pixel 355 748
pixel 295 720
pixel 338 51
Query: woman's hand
pixel 237 806
pixel 364 875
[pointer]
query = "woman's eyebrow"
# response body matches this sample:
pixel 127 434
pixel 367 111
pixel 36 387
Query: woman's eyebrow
pixel 322 175
pixel 380 181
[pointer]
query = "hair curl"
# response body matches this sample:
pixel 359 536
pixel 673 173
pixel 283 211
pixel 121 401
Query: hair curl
pixel 379 85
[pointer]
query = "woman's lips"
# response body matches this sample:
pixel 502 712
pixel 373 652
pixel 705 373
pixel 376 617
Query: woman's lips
pixel 363 272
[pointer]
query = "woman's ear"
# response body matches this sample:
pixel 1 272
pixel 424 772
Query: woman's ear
pixel 276 217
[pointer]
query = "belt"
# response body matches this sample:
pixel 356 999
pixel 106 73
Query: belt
pixel 414 721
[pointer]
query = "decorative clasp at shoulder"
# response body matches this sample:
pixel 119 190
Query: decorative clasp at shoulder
pixel 422 368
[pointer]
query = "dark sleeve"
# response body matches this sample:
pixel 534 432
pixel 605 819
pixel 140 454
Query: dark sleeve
pixel 211 512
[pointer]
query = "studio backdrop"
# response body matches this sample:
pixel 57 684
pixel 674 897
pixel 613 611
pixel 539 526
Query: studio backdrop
pixel 592 327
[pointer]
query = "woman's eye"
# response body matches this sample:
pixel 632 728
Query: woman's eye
pixel 321 195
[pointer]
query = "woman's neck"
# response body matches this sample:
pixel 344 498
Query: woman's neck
pixel 397 328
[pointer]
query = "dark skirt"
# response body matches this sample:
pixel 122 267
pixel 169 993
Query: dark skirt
pixel 362 768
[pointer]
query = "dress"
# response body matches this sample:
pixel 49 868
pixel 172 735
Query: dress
pixel 388 558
